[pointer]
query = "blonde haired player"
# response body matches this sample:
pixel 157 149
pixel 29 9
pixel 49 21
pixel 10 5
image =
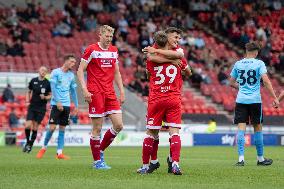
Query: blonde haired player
pixel 100 61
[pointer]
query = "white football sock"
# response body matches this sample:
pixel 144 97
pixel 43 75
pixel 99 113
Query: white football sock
pixel 145 166
pixel 59 151
pixel 260 158
pixel 154 161
pixel 241 158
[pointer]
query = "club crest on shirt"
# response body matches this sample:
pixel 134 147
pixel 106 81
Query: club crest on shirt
pixel 151 121
pixel 93 110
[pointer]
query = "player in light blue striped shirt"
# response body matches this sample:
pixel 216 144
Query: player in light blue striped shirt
pixel 63 86
pixel 245 76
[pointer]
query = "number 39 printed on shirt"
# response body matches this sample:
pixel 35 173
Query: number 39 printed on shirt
pixel 171 72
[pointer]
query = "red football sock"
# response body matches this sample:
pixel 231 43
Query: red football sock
pixel 95 147
pixel 170 149
pixel 175 147
pixel 108 138
pixel 154 155
pixel 147 149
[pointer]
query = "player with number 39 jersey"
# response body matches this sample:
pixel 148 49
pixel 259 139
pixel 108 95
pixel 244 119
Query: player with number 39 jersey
pixel 166 80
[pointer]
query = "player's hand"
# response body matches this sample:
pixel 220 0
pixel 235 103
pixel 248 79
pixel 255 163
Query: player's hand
pixel 87 96
pixel 149 49
pixel 177 62
pixel 59 106
pixel 42 97
pixel 276 103
pixel 122 98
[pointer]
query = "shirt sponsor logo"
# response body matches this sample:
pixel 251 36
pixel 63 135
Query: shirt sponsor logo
pixel 165 89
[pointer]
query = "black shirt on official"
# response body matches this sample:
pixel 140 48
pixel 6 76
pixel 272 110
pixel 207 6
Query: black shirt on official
pixel 39 87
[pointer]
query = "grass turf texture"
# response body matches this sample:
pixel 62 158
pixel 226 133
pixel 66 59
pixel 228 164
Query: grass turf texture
pixel 203 167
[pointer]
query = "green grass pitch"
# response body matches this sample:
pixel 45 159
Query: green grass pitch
pixel 203 167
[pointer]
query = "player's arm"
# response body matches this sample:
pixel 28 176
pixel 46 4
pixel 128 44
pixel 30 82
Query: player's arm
pixel 233 83
pixel 118 82
pixel 53 83
pixel 270 89
pixel 170 54
pixel 28 96
pixel 281 96
pixel 48 96
pixel 74 95
pixel 80 74
pixel 233 79
pixel 160 60
pixel 29 92
pixel 185 68
pixel 187 72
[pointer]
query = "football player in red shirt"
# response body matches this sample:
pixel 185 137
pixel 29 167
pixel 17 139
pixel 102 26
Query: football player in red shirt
pixel 164 103
pixel 100 61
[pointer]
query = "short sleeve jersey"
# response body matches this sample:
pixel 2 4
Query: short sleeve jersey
pixel 62 82
pixel 39 87
pixel 247 73
pixel 165 80
pixel 101 67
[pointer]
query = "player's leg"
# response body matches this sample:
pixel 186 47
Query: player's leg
pixel 154 163
pixel 175 147
pixel 35 124
pixel 147 151
pixel 53 122
pixel 29 123
pixel 241 143
pixel 95 141
pixel 173 120
pixel 257 119
pixel 113 110
pixel 111 133
pixel 96 113
pixel 241 118
pixel 155 114
pixel 63 122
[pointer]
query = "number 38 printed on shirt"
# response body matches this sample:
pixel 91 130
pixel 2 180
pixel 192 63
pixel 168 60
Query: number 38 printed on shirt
pixel 171 72
pixel 250 79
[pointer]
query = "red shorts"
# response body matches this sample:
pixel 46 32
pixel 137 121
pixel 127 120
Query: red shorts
pixel 168 111
pixel 103 104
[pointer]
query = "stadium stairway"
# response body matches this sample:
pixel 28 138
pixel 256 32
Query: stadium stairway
pixel 209 102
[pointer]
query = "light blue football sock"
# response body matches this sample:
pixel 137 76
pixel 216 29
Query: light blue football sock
pixel 60 141
pixel 258 141
pixel 48 136
pixel 241 142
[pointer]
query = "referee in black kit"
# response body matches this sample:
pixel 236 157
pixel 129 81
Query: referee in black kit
pixel 37 96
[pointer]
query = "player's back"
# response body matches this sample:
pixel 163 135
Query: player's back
pixel 247 73
pixel 165 80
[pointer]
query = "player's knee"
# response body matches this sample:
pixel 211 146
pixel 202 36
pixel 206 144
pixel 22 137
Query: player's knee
pixel 52 128
pixel 96 131
pixel 118 127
